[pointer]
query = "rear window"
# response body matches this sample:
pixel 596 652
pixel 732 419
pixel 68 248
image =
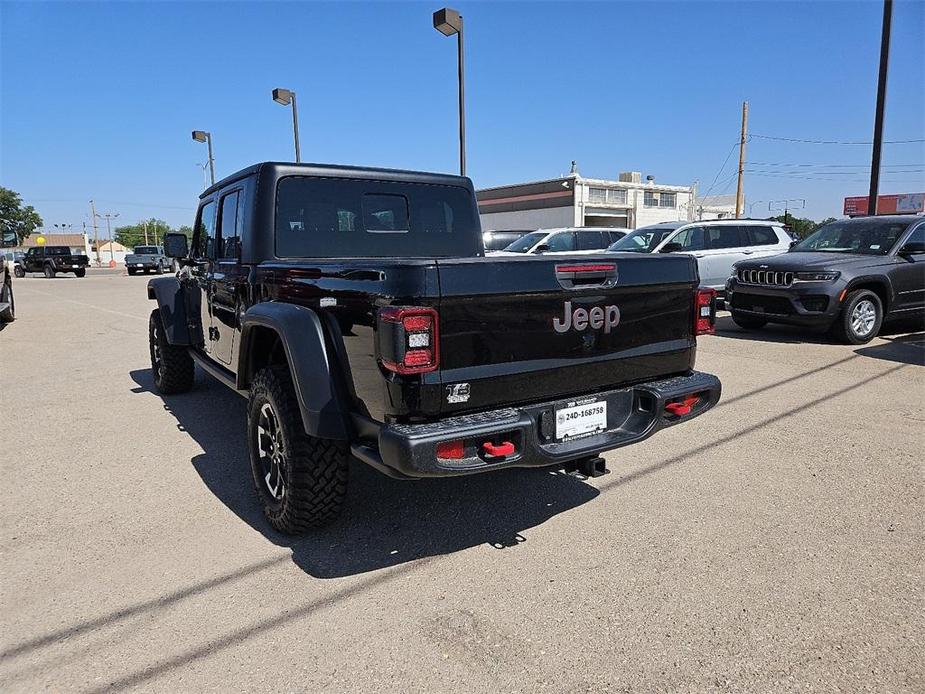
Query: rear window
pixel 145 250
pixel 331 218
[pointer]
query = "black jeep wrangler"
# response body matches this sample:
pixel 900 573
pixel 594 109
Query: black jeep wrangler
pixel 357 312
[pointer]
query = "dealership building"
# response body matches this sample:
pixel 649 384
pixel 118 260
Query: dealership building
pixel 575 201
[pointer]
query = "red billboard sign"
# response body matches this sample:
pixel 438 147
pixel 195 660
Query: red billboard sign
pixel 903 203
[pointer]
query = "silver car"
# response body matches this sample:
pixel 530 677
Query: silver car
pixel 716 244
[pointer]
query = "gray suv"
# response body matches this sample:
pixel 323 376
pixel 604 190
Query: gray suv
pixel 850 276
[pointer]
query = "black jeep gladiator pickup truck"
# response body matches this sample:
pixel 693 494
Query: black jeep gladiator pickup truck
pixel 357 312
pixel 51 260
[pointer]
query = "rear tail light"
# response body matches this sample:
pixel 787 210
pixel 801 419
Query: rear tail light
pixel 408 342
pixel 704 311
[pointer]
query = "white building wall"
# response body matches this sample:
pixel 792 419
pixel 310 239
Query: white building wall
pixel 529 219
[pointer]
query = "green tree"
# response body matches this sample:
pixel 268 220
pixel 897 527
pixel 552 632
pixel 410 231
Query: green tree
pixel 15 217
pixel 132 235
pixel 801 226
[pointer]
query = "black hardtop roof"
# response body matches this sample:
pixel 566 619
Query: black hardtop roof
pixel 279 169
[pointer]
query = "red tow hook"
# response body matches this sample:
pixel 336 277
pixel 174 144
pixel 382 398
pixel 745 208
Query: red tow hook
pixel 684 407
pixel 493 451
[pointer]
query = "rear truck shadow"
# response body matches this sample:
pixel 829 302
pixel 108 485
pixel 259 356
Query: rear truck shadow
pixel 385 522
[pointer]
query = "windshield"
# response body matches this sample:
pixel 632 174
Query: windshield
pixel 642 240
pixel 869 236
pixel 146 250
pixel 525 243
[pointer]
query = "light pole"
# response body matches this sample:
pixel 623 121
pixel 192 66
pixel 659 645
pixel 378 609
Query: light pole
pixel 881 105
pixel 284 97
pixel 108 216
pixel 795 203
pixel 449 22
pixel 203 136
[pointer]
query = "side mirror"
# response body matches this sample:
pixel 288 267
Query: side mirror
pixel 912 248
pixel 9 240
pixel 793 243
pixel 671 248
pixel 542 248
pixel 176 245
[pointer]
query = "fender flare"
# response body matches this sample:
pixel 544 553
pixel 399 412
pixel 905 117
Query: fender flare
pixel 168 294
pixel 880 280
pixel 313 365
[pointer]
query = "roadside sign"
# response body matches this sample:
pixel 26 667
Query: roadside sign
pixel 902 203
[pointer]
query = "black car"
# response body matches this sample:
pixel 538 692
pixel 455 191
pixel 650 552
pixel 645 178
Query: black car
pixel 358 313
pixel 850 276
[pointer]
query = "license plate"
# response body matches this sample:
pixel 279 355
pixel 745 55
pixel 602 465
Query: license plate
pixel 581 419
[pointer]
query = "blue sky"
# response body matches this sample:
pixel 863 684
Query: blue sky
pixel 98 99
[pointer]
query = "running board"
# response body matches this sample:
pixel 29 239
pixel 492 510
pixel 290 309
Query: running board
pixel 217 372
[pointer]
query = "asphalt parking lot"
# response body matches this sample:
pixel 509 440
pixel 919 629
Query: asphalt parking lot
pixel 774 544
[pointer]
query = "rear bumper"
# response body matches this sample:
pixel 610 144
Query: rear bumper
pixel 633 414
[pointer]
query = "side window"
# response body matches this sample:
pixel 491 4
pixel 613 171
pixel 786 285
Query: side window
pixel 917 235
pixel 760 236
pixel 229 237
pixel 590 240
pixel 616 236
pixel 690 239
pixel 204 236
pixel 726 236
pixel 561 242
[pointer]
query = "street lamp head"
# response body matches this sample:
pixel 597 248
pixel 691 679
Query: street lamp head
pixel 447 21
pixel 200 135
pixel 282 96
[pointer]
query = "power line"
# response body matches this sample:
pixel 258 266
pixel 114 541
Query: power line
pixel 833 142
pixel 797 177
pixel 865 167
pixel 798 174
pixel 725 161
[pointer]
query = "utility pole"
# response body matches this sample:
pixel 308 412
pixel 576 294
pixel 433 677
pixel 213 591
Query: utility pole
pixel 96 236
pixel 881 104
pixel 146 232
pixel 740 193
pixel 155 233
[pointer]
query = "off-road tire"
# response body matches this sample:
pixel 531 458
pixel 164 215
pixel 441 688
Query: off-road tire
pixel 7 315
pixel 159 270
pixel 19 272
pixel 313 471
pixel 49 271
pixel 845 328
pixel 131 271
pixel 80 272
pixel 748 322
pixel 171 365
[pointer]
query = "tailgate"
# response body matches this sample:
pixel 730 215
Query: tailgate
pixel 526 329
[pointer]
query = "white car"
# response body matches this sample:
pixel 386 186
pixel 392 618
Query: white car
pixel 566 240
pixel 716 244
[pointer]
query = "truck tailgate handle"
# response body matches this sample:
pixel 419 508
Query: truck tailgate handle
pixel 586 275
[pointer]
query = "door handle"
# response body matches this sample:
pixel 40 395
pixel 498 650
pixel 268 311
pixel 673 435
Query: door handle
pixel 698 255
pixel 747 252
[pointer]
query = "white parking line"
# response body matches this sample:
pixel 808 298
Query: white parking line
pixel 82 303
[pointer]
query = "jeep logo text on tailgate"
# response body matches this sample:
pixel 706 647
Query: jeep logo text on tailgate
pixel 606 317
